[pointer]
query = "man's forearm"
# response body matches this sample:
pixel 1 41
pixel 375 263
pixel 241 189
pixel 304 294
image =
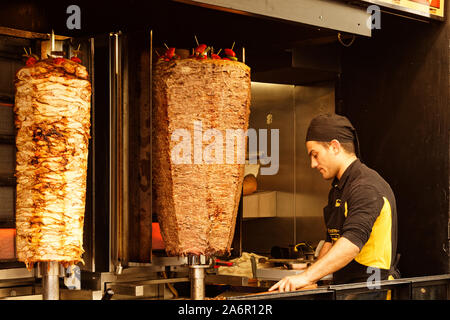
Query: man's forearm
pixel 325 248
pixel 337 257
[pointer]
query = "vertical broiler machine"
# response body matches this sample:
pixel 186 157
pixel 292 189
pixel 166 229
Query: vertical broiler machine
pixel 52 122
pixel 198 107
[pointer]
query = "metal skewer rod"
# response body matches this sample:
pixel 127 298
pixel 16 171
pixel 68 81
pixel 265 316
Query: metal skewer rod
pixel 197 265
pixel 50 280
pixel 197 277
pixel 52 41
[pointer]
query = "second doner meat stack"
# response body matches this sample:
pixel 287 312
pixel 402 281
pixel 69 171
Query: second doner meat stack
pixel 197 202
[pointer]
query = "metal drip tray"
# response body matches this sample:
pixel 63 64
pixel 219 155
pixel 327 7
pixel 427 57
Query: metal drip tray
pixel 276 274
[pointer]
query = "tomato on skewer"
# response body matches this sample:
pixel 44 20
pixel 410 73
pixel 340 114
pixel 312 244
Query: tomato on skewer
pixel 200 49
pixel 230 53
pixel 31 61
pixel 76 59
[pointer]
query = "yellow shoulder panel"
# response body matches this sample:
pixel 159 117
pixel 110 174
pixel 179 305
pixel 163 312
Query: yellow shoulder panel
pixel 377 251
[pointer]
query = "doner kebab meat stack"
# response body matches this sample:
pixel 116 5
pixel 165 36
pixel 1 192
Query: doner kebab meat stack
pixel 52 118
pixel 197 203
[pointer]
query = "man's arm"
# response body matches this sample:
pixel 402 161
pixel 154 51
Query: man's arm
pixel 337 257
pixel 325 248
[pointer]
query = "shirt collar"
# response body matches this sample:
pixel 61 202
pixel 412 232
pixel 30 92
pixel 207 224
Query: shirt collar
pixel 339 183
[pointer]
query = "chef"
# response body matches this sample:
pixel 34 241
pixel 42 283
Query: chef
pixel 360 217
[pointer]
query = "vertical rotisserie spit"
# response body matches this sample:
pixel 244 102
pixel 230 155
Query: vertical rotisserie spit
pixel 52 109
pixel 195 102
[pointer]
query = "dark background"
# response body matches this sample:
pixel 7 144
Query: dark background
pixel 394 87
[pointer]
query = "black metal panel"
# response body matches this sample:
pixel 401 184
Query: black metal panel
pixel 316 294
pixel 140 186
pixel 395 91
pixel 11 50
pixel 101 132
pixel 420 288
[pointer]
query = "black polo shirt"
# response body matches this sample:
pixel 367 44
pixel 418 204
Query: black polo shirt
pixel 361 207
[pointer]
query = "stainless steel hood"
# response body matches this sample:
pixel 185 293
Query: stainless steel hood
pixel 320 13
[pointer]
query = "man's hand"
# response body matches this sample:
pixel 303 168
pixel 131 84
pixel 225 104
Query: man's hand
pixel 291 283
pixel 338 256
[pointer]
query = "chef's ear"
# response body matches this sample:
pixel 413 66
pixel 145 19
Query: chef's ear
pixel 335 146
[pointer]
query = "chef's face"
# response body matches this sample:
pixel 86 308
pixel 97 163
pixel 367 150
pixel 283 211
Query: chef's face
pixel 323 158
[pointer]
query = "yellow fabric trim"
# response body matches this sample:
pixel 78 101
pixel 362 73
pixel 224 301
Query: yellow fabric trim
pixel 389 293
pixel 377 251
